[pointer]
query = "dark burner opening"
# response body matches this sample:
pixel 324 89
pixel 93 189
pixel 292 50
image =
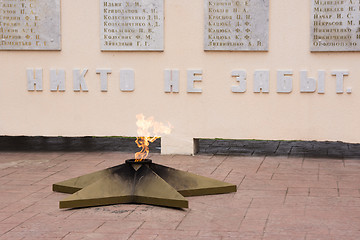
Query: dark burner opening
pixel 132 161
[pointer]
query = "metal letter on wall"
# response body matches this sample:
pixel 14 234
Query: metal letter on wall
pixel 79 80
pixel 103 78
pixel 340 79
pixel 57 80
pixel 240 76
pixel 335 26
pixel 132 25
pixel 284 81
pixel 307 84
pixel 30 25
pixel 261 81
pixel 238 25
pixel 171 83
pixel 34 79
pixel 127 80
pixel 194 76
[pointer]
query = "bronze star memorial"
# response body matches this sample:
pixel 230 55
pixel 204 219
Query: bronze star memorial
pixel 138 182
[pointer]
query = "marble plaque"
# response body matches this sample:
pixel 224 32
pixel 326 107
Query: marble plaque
pixel 335 25
pixel 132 25
pixel 30 25
pixel 236 25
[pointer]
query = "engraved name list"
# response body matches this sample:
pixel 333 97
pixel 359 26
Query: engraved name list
pixel 335 25
pixel 30 25
pixel 238 25
pixel 132 25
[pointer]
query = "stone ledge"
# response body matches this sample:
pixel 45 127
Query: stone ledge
pixel 279 148
pixel 206 146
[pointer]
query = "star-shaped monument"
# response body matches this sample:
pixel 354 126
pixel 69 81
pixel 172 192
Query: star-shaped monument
pixel 138 182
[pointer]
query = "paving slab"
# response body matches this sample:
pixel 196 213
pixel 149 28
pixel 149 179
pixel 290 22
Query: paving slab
pixel 278 197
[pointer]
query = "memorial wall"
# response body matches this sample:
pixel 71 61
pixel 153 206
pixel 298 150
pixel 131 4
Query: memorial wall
pixel 234 69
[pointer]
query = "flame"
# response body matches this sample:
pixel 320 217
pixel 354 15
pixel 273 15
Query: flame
pixel 148 131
